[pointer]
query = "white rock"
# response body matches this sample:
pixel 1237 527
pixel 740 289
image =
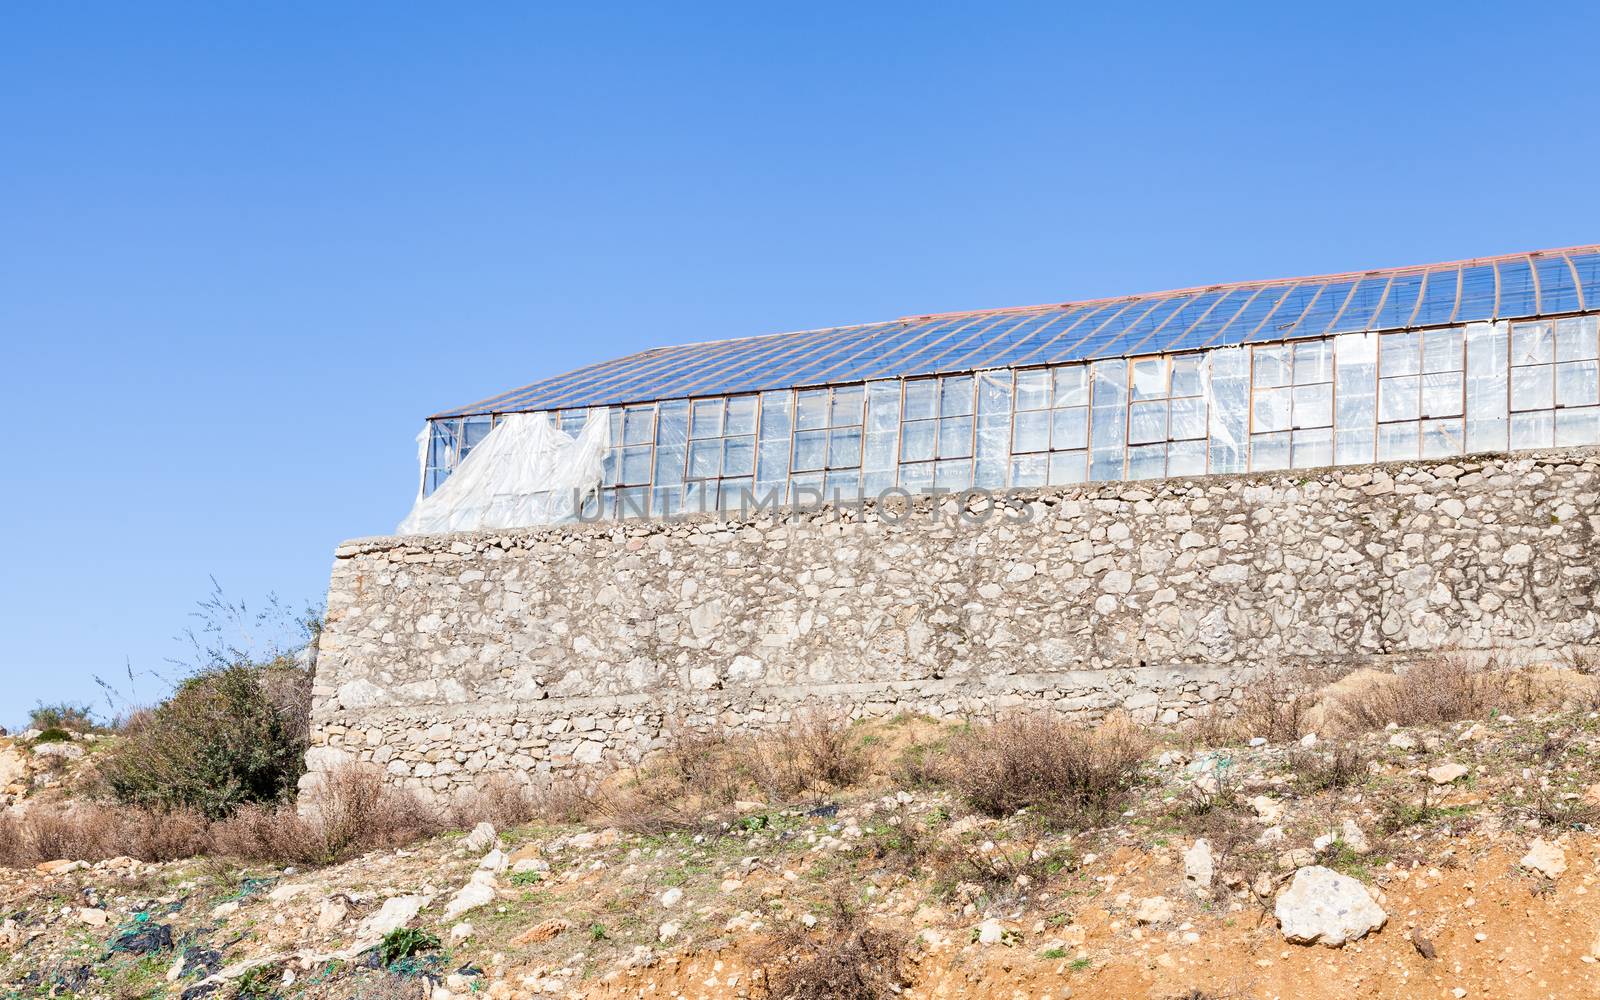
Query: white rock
pixel 479 891
pixel 671 897
pixel 1322 906
pixel 396 912
pixel 1258 741
pixel 990 932
pixel 1403 741
pixel 1354 837
pixel 1155 910
pixel 92 916
pixel 227 909
pixel 332 913
pixel 1308 740
pixel 1446 773
pixel 1198 864
pixel 1545 858
pixel 460 932
pixel 494 861
pixel 480 839
pixel 666 932
pixel 1268 810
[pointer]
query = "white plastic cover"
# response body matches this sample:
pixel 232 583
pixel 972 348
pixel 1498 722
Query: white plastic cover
pixel 524 472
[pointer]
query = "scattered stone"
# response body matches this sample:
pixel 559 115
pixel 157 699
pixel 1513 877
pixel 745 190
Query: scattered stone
pixel 479 891
pixel 1267 809
pixel 1447 773
pixel 666 932
pixel 494 861
pixel 529 865
pixel 332 913
pixel 1423 945
pixel 1308 740
pixel 60 867
pixel 1402 741
pixel 1322 906
pixel 461 932
pixel 92 916
pixel 1545 858
pixel 481 838
pixel 396 912
pixel 990 932
pixel 1154 910
pixel 1354 837
pixel 1300 857
pixel 227 909
pixel 1198 865
pixel 671 897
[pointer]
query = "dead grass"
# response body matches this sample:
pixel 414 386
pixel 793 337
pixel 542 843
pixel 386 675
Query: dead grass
pixel 845 959
pixel 701 772
pixel 1277 704
pixel 1436 691
pixel 352 812
pixel 1333 765
pixel 1067 774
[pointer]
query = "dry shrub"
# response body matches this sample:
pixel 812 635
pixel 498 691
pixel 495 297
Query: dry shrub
pixel 846 959
pixel 507 802
pixel 1435 691
pixel 700 771
pixel 351 811
pixel 94 832
pixel 1340 765
pixel 1277 704
pixel 1063 772
pixel 1213 730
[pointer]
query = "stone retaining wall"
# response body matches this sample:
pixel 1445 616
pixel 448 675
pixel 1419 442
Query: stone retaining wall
pixel 449 658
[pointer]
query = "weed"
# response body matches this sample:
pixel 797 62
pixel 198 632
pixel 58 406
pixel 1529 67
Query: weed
pixel 403 942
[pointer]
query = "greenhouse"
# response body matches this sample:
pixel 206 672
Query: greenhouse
pixel 1482 355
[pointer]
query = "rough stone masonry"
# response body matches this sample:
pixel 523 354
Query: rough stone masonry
pixel 447 659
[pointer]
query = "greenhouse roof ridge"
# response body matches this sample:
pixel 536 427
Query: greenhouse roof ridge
pixel 1503 286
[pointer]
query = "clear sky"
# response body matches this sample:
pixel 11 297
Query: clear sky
pixel 246 248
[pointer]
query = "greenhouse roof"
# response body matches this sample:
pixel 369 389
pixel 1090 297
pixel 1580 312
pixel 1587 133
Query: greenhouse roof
pixel 1513 286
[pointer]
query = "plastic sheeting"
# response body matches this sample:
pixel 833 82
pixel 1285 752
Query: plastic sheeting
pixel 525 472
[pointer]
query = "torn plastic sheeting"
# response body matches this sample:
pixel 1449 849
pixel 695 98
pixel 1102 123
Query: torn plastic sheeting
pixel 524 472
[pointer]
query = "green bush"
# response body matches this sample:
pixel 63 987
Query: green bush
pixel 55 734
pixel 227 736
pixel 62 715
pixel 403 942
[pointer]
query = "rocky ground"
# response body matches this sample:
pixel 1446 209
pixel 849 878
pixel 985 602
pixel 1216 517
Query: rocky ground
pixel 1452 862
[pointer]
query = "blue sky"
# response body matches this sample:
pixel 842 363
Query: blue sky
pixel 245 249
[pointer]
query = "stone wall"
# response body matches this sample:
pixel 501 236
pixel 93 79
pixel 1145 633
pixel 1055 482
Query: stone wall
pixel 449 658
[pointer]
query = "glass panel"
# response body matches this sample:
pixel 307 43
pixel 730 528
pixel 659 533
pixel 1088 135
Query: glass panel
pixel 1577 384
pixel 873 484
pixel 741 418
pixel 1186 458
pixel 1107 419
pixel 772 462
pixel 1150 378
pixel 955 437
pixel 1033 389
pixel 1272 411
pixel 1313 405
pixel 1577 427
pixel 1230 409
pixel 845 485
pixel 1487 425
pixel 1313 362
pixel 810 450
pixel 1147 461
pixel 883 406
pixel 956 475
pixel 1269 451
pixel 1533 430
pixel 847 402
pixel 1399 354
pixel 633 501
pixel 917 476
pixel 1575 338
pixel 1441 351
pixel 1442 438
pixel 1313 448
pixel 844 448
pixel 638 425
pixel 1070 428
pixel 1188 419
pixel 1532 344
pixel 1271 367
pixel 667 501
pixel 1442 394
pixel 705 459
pixel 1533 387
pixel 707 420
pixel 811 409
pixel 1147 422
pixel 917 440
pixel 1028 470
pixel 1355 445
pixel 1072 385
pixel 1188 375
pixel 1031 431
pixel 669 464
pixel 955 396
pixel 775 415
pixel 1399 398
pixel 921 399
pixel 879 453
pixel 1068 467
pixel 994 392
pixel 636 464
pixel 1397 442
pixel 739 456
pixel 673 427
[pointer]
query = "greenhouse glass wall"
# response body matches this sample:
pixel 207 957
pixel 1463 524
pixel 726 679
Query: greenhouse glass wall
pixel 1483 355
